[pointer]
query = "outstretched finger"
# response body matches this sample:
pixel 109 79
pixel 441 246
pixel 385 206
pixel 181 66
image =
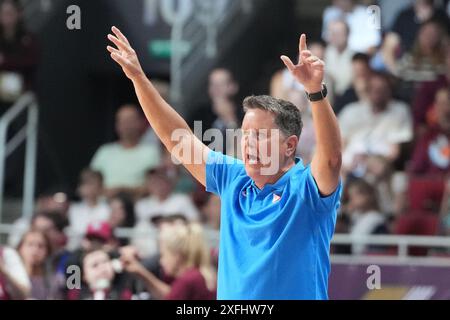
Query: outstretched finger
pixel 302 43
pixel 119 59
pixel 120 35
pixel 288 63
pixel 112 50
pixel 121 45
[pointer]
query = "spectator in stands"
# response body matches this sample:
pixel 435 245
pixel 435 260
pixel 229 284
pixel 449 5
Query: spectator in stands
pixel 425 95
pixel 361 73
pixel 374 127
pixel 391 186
pixel 363 208
pixel 35 251
pixel 363 37
pixel 98 236
pixel 161 201
pixel 14 281
pixel 401 37
pixel 54 199
pixel 426 60
pixel 122 215
pixel 91 208
pixel 100 279
pixel 432 151
pixel 52 224
pixel 185 257
pixel 210 211
pixel 338 56
pixel 223 112
pixel 123 163
pixel 18 54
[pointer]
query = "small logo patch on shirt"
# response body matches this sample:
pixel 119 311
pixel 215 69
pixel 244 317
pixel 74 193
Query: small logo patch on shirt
pixel 276 198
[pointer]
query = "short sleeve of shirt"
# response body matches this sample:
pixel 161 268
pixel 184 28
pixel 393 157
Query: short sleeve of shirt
pixel 312 196
pixel 220 171
pixel 97 160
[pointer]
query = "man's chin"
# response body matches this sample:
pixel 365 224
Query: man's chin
pixel 253 170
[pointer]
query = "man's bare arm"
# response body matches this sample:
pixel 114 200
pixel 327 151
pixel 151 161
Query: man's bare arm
pixel 327 159
pixel 168 125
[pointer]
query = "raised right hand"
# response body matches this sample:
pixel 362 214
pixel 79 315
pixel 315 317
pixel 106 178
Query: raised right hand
pixel 125 55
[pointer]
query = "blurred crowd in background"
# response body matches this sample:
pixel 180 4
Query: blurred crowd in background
pixel 142 228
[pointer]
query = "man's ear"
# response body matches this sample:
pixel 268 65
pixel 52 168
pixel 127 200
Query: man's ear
pixel 291 144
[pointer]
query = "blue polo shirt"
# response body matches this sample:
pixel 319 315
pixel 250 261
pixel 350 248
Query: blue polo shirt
pixel 275 241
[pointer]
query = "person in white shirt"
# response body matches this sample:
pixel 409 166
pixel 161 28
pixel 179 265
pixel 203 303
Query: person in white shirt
pixel 338 56
pixel 365 216
pixel 123 163
pixel 365 36
pixel 161 202
pixel 14 281
pixel 92 207
pixel 374 127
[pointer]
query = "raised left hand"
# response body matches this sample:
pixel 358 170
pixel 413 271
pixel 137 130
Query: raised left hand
pixel 309 71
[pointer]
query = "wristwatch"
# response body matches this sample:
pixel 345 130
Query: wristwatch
pixel 317 96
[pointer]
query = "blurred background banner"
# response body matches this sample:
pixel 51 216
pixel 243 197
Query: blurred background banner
pixel 349 281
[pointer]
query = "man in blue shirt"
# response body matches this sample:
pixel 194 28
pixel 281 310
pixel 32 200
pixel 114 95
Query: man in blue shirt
pixel 278 215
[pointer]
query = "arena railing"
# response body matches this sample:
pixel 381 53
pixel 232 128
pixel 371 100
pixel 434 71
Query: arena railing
pixel 402 242
pixel 28 134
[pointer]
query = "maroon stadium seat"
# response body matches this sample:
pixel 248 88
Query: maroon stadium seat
pixel 423 223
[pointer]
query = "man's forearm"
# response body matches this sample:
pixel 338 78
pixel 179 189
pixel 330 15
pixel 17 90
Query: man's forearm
pixel 161 116
pixel 326 162
pixel 328 136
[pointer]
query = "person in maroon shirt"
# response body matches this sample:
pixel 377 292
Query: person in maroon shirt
pixel 185 258
pixel 432 152
pixel 425 94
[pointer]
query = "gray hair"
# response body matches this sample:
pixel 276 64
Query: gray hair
pixel 287 116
